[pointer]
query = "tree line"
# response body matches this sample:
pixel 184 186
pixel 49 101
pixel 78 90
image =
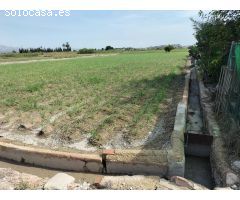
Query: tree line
pixel 65 47
pixel 214 34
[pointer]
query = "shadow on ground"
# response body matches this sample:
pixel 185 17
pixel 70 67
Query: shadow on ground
pixel 159 96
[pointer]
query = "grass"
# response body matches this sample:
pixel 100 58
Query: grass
pixel 100 95
pixel 7 57
pixel 10 57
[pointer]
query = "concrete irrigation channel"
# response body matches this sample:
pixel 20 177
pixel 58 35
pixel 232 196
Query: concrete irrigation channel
pixel 197 139
pixel 194 143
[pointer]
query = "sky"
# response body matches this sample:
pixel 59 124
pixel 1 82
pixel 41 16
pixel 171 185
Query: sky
pixel 97 29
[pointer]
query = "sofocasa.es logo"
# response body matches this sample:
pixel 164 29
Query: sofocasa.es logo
pixel 36 13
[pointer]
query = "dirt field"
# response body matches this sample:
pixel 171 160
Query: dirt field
pixel 127 100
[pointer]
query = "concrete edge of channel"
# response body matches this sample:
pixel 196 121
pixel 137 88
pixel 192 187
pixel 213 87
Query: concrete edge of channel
pixel 176 154
pixel 221 170
pixel 51 159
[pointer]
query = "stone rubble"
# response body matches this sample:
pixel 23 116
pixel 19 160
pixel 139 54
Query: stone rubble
pixel 139 182
pixel 231 179
pixel 236 165
pixel 83 186
pixel 11 179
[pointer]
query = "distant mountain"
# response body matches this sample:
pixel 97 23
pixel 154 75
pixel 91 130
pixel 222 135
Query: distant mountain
pixel 7 49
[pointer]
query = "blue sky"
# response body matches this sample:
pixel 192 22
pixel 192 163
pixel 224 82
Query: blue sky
pixel 96 29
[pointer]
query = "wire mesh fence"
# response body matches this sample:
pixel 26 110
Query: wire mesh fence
pixel 227 101
pixel 228 89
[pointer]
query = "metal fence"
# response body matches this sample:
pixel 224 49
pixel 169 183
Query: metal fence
pixel 227 101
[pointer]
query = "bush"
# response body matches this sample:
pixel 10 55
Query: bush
pixel 214 34
pixel 109 48
pixel 86 51
pixel 194 52
pixel 17 55
pixel 7 55
pixel 168 48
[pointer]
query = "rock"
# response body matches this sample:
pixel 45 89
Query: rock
pixel 183 182
pixel 180 181
pixel 167 185
pixel 97 183
pixel 73 186
pixel 21 127
pixel 60 181
pixel 84 186
pixel 38 132
pixel 11 179
pixel 128 182
pixel 231 179
pixel 234 187
pixel 236 165
pixel 222 188
pixel 4 185
pixel 79 186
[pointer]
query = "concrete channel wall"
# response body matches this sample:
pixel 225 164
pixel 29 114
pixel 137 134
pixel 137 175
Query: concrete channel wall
pixel 51 159
pixel 176 155
pixel 221 170
pixel 152 162
pixel 164 163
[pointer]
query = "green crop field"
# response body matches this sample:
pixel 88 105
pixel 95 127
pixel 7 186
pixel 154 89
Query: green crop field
pixel 100 96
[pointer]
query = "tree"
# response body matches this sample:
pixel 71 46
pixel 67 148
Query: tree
pixel 168 48
pixel 109 48
pixel 66 47
pixel 214 35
